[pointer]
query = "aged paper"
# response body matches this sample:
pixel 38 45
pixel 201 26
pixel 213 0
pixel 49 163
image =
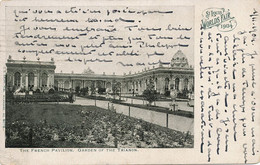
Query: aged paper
pixel 129 82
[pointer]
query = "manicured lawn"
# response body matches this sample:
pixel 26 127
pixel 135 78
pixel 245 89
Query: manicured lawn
pixel 59 125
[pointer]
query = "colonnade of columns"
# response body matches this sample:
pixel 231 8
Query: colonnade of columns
pixel 136 86
pixel 161 84
pixel 64 84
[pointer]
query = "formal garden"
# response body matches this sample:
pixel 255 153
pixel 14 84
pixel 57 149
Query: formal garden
pixel 149 96
pixel 59 125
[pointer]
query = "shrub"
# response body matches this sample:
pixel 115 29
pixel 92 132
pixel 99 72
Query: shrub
pixel 150 93
pixel 84 91
pixel 167 93
pixel 101 90
pixel 38 91
pixel 77 89
pixel 51 91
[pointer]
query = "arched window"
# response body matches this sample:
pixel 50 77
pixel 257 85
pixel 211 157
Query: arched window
pixel 167 84
pixel 119 84
pixel 30 80
pixel 78 84
pixel 66 85
pixel 177 81
pixel 109 87
pixel 155 85
pixel 186 82
pixel 17 79
pixel 44 79
pixel 118 87
pixel 56 83
pixel 99 84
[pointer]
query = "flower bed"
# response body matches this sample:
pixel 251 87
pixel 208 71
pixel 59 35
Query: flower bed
pixel 41 97
pixel 86 126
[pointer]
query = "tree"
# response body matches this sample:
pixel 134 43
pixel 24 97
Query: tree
pixel 77 89
pixel 115 88
pixel 84 91
pixel 92 88
pixel 150 93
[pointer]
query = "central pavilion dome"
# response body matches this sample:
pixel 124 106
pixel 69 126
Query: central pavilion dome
pixel 179 60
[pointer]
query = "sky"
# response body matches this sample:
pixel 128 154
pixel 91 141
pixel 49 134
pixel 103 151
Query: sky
pixel 142 42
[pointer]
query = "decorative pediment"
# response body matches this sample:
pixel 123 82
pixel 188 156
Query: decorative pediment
pixel 88 71
pixel 179 60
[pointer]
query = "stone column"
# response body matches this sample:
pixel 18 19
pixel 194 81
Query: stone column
pixel 181 85
pixel 12 79
pixel 35 82
pixel 21 80
pixel 160 84
pixel 62 85
pixel 136 86
pixel 189 83
pixel 163 85
pixel 126 87
pixel 140 87
pixel 26 81
pixel 39 80
pixel 51 81
pixel 48 78
pixel 105 85
pixel 173 83
pixel 155 84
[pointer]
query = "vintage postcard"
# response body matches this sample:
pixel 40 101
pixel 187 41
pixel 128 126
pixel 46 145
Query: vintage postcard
pixel 129 82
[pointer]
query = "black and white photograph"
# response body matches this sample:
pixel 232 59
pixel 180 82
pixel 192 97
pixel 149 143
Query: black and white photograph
pixel 93 77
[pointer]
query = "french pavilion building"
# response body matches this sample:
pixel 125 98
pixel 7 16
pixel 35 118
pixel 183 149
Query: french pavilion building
pixel 33 75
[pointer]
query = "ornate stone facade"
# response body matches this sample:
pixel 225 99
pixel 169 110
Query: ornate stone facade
pixel 36 74
pixel 29 75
